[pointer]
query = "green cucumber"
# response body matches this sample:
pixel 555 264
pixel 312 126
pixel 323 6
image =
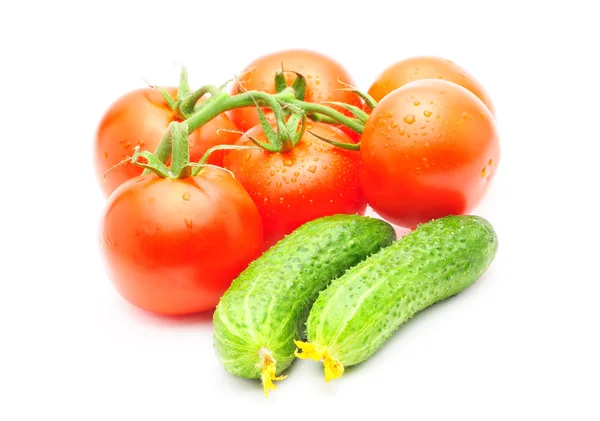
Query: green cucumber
pixel 265 308
pixel 359 311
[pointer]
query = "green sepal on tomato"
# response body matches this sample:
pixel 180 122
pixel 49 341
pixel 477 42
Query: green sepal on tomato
pixel 140 118
pixel 174 240
pixel 314 179
pixel 326 80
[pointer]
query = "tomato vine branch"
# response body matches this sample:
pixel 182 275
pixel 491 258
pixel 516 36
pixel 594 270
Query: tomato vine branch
pixel 290 113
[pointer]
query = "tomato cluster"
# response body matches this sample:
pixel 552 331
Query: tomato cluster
pixel 172 245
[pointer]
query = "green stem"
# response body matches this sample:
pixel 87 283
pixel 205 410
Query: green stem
pixel 335 115
pixel 153 165
pixel 347 146
pixel 186 107
pixel 322 119
pixel 221 102
pixel 163 151
pixel 181 150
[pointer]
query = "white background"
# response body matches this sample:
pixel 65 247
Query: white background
pixel 520 344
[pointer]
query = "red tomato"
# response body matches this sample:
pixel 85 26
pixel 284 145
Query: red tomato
pixel 429 149
pixel 314 179
pixel 419 68
pixel 141 118
pixel 174 246
pixel 325 78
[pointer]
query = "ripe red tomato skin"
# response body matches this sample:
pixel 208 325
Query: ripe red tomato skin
pixel 140 118
pixel 426 67
pixel 315 179
pixel 173 246
pixel 415 166
pixel 325 81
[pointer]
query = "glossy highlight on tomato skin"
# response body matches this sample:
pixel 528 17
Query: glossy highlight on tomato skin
pixel 429 149
pixel 140 118
pixel 174 246
pixel 315 179
pixel 427 67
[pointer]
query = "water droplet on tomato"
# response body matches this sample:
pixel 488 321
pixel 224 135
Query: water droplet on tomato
pixel 490 163
pixel 281 200
pixel 389 113
pixel 424 134
pixel 393 125
pixel 296 174
pixel 310 202
pixel 278 184
pixel 325 167
pixel 316 159
pixel 312 168
pixel 247 157
pixel 186 196
pixel 427 113
pixel 272 173
pixel 417 103
pixel 318 82
pixel 437 116
pixel 465 115
pixel 409 119
pixel 287 163
pixel 188 222
pixel 440 76
pixel 483 172
pixel 401 131
pixel 105 155
pixel 294 179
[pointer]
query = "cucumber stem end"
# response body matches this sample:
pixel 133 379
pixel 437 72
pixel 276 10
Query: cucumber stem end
pixel 268 370
pixel 332 367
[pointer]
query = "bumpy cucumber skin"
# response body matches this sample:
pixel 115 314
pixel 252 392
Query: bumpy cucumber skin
pixel 266 307
pixel 360 310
